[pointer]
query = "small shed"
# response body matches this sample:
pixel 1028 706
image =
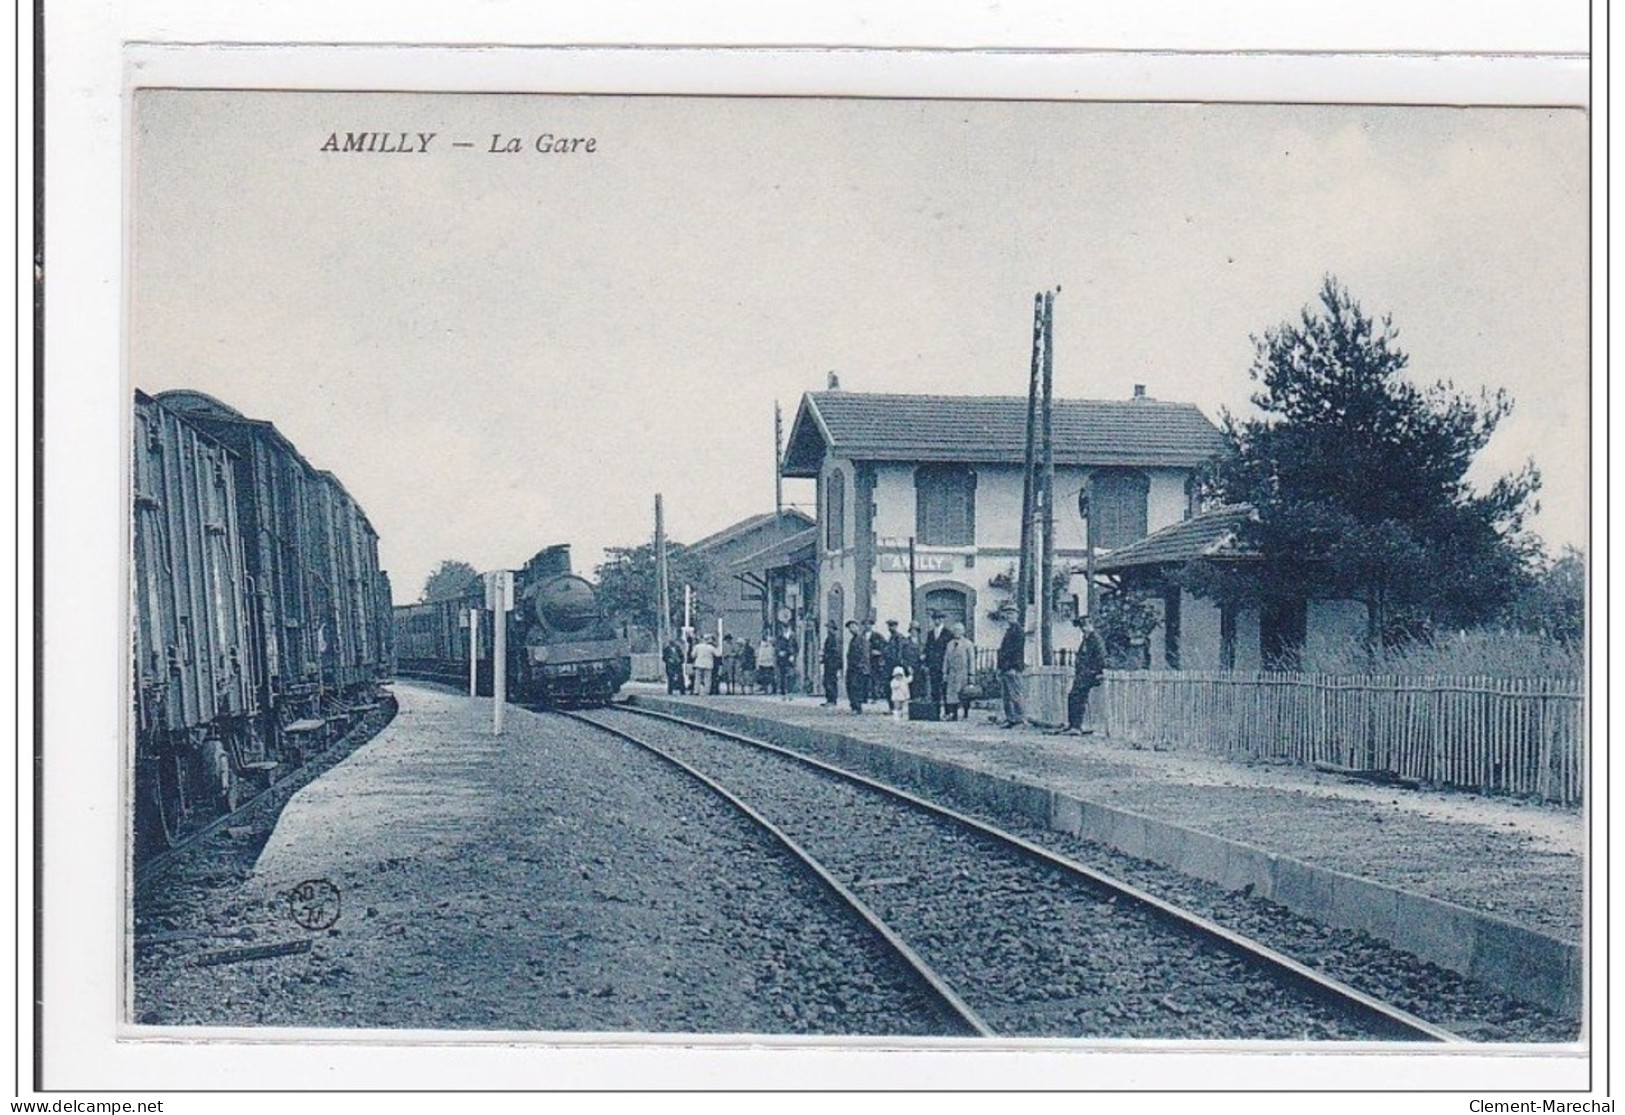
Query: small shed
pixel 1200 634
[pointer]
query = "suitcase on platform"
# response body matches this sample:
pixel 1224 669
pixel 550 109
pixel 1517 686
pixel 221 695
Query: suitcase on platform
pixel 924 710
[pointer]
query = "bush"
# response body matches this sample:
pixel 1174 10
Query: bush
pixel 1125 622
pixel 1478 653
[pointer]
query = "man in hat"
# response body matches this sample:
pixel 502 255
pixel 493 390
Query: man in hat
pixel 705 664
pixel 831 659
pixel 1012 664
pixel 936 649
pixel 673 657
pixel 877 659
pixel 858 667
pixel 1088 668
pixel 784 662
pixel 889 660
pixel 727 665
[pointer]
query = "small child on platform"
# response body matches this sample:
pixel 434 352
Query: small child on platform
pixel 899 693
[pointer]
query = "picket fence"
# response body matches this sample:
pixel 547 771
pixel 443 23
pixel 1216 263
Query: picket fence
pixel 1523 736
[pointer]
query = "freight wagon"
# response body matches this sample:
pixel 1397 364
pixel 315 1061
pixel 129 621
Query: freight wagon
pixel 260 617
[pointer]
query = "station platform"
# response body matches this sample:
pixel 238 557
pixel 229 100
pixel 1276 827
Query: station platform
pixel 1492 888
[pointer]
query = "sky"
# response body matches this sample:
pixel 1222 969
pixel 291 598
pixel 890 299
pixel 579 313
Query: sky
pixel 500 351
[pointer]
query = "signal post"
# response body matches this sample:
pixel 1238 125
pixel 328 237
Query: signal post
pixel 499 601
pixel 471 620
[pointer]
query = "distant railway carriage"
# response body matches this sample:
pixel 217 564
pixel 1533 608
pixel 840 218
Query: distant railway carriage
pixel 431 642
pixel 260 616
pixel 561 649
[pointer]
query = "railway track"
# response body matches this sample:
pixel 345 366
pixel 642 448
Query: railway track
pixel 949 1004
pixel 1013 939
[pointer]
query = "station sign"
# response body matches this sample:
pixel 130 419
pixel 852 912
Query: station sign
pixel 923 563
pixel 502 578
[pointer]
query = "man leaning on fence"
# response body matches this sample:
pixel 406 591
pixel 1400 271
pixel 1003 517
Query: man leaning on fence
pixel 1088 668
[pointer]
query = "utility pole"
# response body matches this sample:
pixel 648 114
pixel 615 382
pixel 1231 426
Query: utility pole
pixel 473 651
pixel 1046 565
pixel 499 658
pixel 1024 568
pixel 1086 508
pixel 662 579
pixel 778 458
pixel 913 589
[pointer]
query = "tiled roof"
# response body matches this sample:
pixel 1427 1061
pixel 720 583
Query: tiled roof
pixel 745 526
pixel 1208 534
pixel 786 551
pixel 989 429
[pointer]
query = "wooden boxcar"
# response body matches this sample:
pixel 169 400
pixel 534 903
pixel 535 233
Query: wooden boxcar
pixel 192 634
pixel 262 621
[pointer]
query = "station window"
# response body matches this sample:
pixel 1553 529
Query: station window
pixel 945 505
pixel 1118 498
pixel 835 512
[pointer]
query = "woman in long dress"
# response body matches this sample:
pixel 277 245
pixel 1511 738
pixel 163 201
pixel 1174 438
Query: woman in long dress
pixel 958 672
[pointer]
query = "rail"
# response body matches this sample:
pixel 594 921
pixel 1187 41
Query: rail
pixel 948 999
pixel 1400 1023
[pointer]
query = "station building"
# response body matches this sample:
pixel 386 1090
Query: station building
pixel 1199 634
pixel 784 577
pixel 940 478
pixel 740 601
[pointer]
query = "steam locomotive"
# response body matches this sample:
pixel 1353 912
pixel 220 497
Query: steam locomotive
pixel 259 617
pixel 561 649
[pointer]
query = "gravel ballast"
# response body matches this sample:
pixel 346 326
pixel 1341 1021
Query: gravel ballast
pixel 553 879
pixel 1519 860
pixel 1445 998
pixel 1032 950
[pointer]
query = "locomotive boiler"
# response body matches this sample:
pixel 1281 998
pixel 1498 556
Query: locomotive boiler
pixel 561 648
pixel 568 652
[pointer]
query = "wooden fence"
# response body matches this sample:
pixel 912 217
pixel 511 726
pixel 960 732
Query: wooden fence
pixel 1522 736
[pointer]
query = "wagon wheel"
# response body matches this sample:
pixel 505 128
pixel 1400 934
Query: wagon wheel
pixel 150 835
pixel 169 798
pixel 242 783
pixel 235 794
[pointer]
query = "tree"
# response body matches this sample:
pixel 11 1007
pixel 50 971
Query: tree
pixel 1553 600
pixel 628 591
pixel 1358 479
pixel 450 580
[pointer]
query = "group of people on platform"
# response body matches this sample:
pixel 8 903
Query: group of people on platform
pixel 708 666
pixel 898 667
pixel 935 671
pixel 931 671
